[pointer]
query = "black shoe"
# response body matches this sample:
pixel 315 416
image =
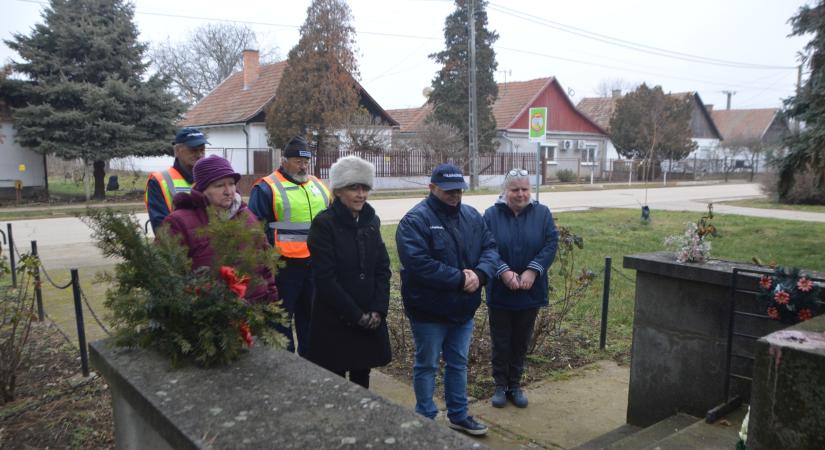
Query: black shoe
pixel 517 397
pixel 469 426
pixel 499 399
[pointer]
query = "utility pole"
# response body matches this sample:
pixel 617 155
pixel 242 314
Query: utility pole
pixel 729 94
pixel 473 124
pixel 798 91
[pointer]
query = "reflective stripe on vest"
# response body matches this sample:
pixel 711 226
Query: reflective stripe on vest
pixel 294 206
pixel 171 182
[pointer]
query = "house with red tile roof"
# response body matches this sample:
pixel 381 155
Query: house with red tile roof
pixel 703 129
pixel 233 116
pixel 573 141
pixel 751 133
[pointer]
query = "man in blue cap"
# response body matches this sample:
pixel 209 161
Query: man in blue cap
pixel 189 146
pixel 446 254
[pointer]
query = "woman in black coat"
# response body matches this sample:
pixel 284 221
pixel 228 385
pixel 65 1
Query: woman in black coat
pixel 351 271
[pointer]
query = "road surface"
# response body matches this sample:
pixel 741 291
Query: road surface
pixel 67 242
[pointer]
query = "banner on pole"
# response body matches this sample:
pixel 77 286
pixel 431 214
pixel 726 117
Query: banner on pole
pixel 538 124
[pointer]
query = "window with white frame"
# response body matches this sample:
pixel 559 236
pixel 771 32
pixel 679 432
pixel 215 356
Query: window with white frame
pixel 588 154
pixel 549 153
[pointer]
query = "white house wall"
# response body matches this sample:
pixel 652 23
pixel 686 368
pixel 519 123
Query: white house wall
pixel 517 141
pixel 228 142
pixel 705 149
pixel 12 155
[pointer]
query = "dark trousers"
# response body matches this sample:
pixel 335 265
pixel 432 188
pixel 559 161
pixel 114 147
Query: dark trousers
pixel 360 377
pixel 510 333
pixel 294 281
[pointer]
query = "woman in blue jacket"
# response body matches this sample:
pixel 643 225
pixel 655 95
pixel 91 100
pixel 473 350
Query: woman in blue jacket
pixel 527 239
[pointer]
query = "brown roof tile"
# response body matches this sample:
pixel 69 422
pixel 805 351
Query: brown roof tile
pixel 740 125
pixel 598 109
pixel 513 97
pixel 230 103
pixel 410 119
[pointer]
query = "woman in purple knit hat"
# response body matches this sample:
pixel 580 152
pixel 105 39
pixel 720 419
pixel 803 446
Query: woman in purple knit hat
pixel 215 185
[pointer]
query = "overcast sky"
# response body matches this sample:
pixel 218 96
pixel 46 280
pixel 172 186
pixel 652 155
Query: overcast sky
pixel 744 42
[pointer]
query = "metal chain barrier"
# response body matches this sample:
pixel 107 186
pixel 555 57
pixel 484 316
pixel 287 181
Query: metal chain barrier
pixel 622 274
pixel 92 311
pixel 59 330
pixel 55 285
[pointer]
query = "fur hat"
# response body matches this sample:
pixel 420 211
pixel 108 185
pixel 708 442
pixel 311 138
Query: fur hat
pixel 351 170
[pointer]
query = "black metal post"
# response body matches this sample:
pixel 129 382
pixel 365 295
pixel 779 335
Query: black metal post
pixel 605 301
pixel 11 258
pixel 38 292
pixel 81 330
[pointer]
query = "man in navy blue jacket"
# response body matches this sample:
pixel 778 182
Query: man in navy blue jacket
pixel 446 253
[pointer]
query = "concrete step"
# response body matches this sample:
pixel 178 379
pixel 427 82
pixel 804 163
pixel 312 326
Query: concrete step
pixel 608 438
pixel 721 435
pixel 650 436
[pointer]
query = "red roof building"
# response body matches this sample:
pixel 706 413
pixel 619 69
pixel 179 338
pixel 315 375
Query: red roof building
pixel 573 141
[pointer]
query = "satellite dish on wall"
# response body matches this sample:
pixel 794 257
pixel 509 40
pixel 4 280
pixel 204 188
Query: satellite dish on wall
pixel 427 91
pixel 571 92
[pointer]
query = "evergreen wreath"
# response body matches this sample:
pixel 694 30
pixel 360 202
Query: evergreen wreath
pixel 789 295
pixel 157 301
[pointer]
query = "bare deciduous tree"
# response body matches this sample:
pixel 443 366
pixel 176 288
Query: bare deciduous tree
pixel 365 134
pixel 212 53
pixel 606 86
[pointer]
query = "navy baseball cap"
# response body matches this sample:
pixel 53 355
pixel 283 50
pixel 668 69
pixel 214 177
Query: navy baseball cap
pixel 191 137
pixel 448 177
pixel 297 147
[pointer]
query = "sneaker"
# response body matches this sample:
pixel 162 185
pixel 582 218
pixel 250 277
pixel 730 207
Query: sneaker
pixel 517 397
pixel 469 426
pixel 499 399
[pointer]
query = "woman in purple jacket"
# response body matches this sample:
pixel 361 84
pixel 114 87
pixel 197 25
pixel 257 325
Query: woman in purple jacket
pixel 527 239
pixel 215 185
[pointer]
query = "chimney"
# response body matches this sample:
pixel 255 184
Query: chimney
pixel 709 108
pixel 250 68
pixel 616 93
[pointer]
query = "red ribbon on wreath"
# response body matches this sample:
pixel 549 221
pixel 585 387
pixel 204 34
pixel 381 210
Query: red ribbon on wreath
pixel 236 285
pixel 246 334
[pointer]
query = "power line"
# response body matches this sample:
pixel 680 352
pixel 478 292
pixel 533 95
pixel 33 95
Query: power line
pixel 629 44
pixel 250 22
pixel 607 66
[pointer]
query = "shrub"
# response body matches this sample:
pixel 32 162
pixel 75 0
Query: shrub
pixel 566 175
pixel 17 310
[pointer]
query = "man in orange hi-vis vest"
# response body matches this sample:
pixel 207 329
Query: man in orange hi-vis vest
pixel 189 146
pixel 286 201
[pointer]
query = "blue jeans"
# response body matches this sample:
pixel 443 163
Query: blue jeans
pixel 432 339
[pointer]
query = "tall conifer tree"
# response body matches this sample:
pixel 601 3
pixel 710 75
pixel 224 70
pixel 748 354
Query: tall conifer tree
pixel 318 94
pixel 806 150
pixel 450 95
pixel 86 94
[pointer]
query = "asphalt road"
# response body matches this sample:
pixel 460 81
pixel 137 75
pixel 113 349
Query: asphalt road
pixel 67 242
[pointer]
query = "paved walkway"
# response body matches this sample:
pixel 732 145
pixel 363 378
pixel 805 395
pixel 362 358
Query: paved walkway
pixel 561 414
